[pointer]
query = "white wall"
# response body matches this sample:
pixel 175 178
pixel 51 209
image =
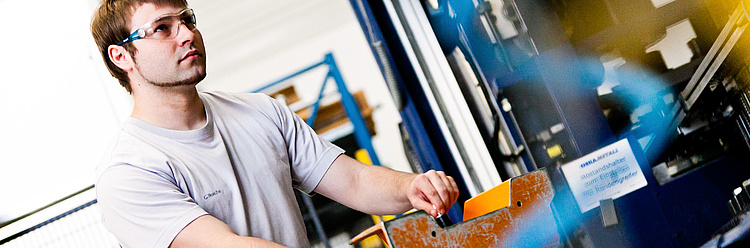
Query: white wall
pixel 56 114
pixel 60 107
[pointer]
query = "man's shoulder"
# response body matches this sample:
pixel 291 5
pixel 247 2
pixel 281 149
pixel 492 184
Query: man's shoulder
pixel 126 143
pixel 125 149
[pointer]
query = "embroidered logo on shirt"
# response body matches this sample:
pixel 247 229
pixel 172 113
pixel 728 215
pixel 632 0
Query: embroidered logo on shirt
pixel 212 194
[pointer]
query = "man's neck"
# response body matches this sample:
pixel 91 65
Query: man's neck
pixel 170 108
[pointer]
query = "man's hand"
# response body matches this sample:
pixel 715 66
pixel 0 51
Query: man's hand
pixel 433 192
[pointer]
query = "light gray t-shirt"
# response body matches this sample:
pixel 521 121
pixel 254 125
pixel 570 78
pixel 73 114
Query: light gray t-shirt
pixel 241 167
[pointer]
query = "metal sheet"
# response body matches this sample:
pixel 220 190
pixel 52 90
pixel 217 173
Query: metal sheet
pixel 527 222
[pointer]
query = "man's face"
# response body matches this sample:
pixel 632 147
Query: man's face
pixel 169 62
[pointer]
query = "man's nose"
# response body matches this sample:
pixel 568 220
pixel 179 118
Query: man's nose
pixel 185 35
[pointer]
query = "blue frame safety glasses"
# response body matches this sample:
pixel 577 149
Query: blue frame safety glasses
pixel 165 27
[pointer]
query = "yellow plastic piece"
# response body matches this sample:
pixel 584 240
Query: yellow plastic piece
pixel 361 155
pixel 554 151
pixel 496 198
pixel 371 242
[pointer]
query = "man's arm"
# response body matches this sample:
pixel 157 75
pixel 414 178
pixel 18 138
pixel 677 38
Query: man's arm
pixel 207 231
pixel 379 190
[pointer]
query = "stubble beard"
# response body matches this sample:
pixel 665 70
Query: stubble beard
pixel 194 80
pixel 190 81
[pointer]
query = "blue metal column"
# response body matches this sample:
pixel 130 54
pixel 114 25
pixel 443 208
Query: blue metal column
pixel 361 133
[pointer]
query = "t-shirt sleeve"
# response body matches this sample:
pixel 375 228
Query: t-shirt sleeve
pixel 309 154
pixel 143 208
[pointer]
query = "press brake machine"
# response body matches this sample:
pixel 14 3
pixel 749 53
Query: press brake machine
pixel 490 90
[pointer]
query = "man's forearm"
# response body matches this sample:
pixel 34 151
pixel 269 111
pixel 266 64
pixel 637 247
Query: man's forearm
pixel 207 231
pixel 379 190
pixel 366 188
pixel 384 190
pixel 249 242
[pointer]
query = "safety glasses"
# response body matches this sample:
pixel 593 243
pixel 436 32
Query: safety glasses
pixel 166 27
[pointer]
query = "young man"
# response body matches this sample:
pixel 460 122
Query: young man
pixel 211 169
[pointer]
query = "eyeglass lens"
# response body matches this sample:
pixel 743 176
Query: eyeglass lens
pixel 167 27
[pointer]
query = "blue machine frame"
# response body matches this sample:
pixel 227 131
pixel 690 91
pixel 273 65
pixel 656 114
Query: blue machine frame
pixel 417 117
pixel 683 212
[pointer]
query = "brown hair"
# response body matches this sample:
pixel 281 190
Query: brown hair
pixel 110 24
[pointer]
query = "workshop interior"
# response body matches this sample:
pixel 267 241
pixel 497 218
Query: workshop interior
pixel 566 123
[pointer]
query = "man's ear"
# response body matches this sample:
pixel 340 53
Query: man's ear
pixel 120 57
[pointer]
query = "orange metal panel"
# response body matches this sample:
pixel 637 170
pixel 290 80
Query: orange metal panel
pixel 496 198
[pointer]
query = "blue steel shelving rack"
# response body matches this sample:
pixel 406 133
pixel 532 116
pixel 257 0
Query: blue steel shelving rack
pixel 361 133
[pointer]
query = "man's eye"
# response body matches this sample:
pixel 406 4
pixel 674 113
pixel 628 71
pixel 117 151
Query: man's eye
pixel 160 28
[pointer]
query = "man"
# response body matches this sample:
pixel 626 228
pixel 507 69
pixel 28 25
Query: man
pixel 214 169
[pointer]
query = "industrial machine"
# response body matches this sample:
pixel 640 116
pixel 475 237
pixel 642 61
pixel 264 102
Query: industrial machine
pixel 653 92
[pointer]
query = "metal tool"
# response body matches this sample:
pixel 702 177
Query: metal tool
pixel 443 221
